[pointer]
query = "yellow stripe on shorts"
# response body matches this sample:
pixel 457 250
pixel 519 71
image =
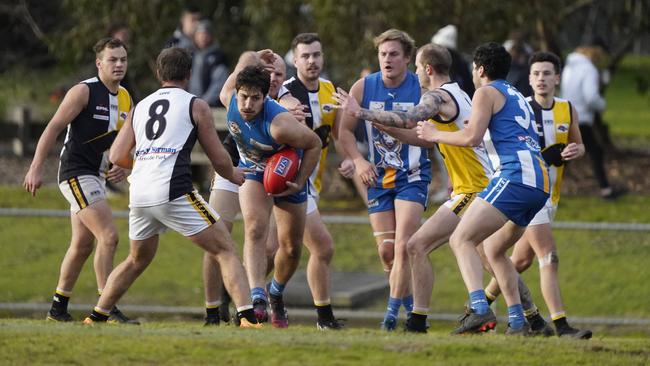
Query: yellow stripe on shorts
pixel 200 208
pixel 462 205
pixel 77 193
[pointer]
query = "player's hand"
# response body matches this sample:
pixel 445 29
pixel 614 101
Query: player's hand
pixel 33 180
pixel 239 175
pixel 267 57
pixel 116 174
pixel 572 151
pixel 298 112
pixel 346 102
pixel 347 168
pixel 292 187
pixel 366 172
pixel 426 131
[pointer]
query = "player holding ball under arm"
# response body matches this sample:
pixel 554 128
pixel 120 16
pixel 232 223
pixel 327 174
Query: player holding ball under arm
pixel 261 127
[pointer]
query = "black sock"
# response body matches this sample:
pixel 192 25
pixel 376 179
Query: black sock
pixel 212 312
pixel 98 317
pixel 60 303
pixel 325 312
pixel 418 322
pixel 561 324
pixel 247 314
pixel 490 301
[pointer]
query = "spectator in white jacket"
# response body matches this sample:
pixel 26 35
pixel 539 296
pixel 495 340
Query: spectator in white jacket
pixel 581 86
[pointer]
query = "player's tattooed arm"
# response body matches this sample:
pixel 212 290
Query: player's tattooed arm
pixel 429 106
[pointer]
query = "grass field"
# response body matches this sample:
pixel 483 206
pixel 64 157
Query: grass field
pixel 603 273
pixel 177 343
pixel 628 98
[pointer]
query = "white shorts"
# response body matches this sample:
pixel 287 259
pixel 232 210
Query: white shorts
pixel 544 216
pixel 83 191
pixel 223 184
pixel 312 203
pixel 458 203
pixel 187 215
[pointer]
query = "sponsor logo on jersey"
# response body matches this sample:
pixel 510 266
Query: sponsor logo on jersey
pixel 376 106
pixel 101 108
pixel 328 108
pixel 402 106
pixel 123 115
pixel 282 167
pixel 94 193
pixel 548 121
pixel 562 127
pixel 531 143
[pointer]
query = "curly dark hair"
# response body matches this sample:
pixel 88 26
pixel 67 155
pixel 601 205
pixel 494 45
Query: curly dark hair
pixel 254 76
pixel 546 57
pixel 494 58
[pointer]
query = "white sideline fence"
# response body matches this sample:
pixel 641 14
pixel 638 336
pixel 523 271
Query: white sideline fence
pixel 352 220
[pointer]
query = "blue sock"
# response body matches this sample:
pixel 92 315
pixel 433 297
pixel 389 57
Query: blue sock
pixel 407 302
pixel 393 307
pixel 516 316
pixel 258 293
pixel 478 302
pixel 276 288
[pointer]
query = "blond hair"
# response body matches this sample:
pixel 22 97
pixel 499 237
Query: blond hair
pixel 408 44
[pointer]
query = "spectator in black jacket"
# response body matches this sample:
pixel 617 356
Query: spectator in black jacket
pixel 209 66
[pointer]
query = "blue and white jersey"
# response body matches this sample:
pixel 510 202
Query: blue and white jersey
pixel 254 141
pixel 513 142
pixel 396 163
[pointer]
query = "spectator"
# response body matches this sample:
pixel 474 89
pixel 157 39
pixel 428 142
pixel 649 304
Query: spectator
pixel 581 85
pixel 460 69
pixel 520 51
pixel 209 69
pixel 184 34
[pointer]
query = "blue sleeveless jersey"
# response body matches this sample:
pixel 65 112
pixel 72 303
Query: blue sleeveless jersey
pixel 514 145
pixel 254 141
pixel 396 163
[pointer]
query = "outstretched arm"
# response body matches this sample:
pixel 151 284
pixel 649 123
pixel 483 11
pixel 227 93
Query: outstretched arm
pixel 248 58
pixel 430 104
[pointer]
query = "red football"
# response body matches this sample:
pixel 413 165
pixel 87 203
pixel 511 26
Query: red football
pixel 280 169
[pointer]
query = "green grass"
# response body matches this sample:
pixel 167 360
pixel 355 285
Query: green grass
pixel 603 273
pixel 37 342
pixel 628 103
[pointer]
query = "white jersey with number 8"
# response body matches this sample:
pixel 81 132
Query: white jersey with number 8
pixel 165 134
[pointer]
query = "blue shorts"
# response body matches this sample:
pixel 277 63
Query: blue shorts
pixel 298 197
pixel 517 201
pixel 383 199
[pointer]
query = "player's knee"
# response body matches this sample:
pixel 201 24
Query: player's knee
pixel 291 249
pixel 492 253
pixel 549 259
pixel 324 250
pixel 82 249
pixel 521 264
pixel 256 233
pixel 109 238
pixel 386 251
pixel 413 247
pixel 455 241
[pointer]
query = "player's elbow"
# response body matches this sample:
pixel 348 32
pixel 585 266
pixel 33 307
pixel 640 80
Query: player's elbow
pixel 474 141
pixel 314 141
pixel 116 157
